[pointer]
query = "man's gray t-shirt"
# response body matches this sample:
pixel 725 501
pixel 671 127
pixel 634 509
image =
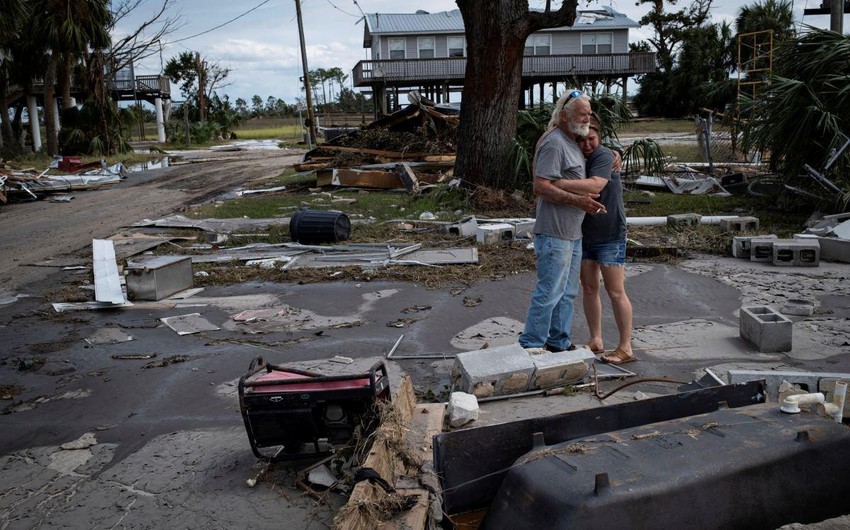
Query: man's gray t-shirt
pixel 558 157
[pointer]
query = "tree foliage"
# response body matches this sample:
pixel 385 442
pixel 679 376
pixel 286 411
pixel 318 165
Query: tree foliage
pixel 803 113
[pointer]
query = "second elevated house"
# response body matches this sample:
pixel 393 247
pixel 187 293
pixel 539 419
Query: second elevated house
pixel 427 52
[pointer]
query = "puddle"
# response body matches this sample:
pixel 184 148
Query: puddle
pixel 155 163
pixel 250 145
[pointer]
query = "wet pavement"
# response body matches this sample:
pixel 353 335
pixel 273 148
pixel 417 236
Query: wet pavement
pixel 95 439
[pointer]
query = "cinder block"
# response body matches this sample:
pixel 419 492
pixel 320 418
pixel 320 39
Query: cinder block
pixel 741 245
pixel 466 227
pixel 557 369
pixel 796 253
pixel 495 233
pixel 681 220
pixel 524 229
pixel 507 369
pixel 799 307
pixel 767 329
pixel 740 224
pixel 761 249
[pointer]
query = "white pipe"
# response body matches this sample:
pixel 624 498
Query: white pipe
pixel 835 409
pixel 652 221
pixel 791 404
pixel 838 399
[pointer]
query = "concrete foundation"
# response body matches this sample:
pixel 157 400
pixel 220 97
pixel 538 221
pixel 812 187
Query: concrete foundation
pixel 767 329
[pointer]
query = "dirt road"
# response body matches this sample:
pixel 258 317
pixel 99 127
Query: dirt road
pixel 38 231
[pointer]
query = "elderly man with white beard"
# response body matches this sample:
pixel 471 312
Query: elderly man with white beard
pixel 557 228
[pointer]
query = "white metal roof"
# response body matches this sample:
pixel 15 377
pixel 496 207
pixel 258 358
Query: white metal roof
pixel 452 22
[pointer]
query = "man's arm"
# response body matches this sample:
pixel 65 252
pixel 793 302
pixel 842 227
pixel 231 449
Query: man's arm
pixel 548 191
pixel 582 186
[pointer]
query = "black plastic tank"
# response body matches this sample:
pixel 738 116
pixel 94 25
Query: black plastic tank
pixel 310 227
pixel 748 468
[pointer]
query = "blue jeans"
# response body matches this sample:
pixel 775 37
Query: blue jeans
pixel 550 314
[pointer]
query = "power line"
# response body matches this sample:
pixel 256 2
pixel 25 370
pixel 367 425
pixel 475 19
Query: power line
pixel 223 24
pixel 341 10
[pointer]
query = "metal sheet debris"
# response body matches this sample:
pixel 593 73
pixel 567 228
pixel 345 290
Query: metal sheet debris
pixel 215 225
pixel 107 282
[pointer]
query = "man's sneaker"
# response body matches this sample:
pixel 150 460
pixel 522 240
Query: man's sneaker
pixel 547 347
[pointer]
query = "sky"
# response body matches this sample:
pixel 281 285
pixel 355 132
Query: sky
pixel 258 39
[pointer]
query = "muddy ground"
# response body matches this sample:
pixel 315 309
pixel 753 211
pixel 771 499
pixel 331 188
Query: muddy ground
pixel 99 431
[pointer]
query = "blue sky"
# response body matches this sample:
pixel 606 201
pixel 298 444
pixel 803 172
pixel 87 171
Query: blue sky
pixel 262 47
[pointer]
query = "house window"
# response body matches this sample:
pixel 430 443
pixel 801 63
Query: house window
pixel 396 46
pixel 594 43
pixel 425 45
pixel 538 45
pixel 456 46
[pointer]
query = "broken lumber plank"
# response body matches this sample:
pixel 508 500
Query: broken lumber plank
pixel 359 178
pixel 312 166
pixel 376 152
pixel 383 458
pixel 425 423
pixel 408 178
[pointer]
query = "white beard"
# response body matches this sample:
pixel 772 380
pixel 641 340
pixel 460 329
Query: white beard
pixel 579 129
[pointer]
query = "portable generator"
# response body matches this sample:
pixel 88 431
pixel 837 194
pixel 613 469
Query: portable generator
pixel 287 408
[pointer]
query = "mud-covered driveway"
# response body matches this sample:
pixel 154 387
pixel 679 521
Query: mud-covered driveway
pixel 39 231
pixel 113 420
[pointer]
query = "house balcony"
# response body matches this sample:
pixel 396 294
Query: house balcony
pixel 535 69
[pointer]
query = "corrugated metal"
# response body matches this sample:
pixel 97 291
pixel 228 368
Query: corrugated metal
pixel 452 22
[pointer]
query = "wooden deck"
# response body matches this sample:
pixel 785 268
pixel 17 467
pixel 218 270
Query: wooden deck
pixel 535 69
pixel 144 88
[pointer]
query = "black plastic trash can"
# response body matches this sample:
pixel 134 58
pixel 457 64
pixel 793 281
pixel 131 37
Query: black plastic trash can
pixel 310 227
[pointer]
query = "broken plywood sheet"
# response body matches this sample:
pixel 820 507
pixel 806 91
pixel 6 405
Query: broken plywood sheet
pixel 369 178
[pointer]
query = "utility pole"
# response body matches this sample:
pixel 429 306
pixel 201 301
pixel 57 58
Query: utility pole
pixel 836 16
pixel 201 101
pixel 311 121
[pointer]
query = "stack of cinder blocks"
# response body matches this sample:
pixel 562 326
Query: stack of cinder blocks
pixel 506 370
pixel 780 252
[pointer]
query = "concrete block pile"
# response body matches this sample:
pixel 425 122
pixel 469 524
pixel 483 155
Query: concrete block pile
pixel 511 369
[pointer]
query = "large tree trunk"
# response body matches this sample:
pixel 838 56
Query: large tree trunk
pixel 496 31
pixel 5 123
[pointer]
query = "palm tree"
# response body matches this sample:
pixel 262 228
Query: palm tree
pixel 11 22
pixel 69 28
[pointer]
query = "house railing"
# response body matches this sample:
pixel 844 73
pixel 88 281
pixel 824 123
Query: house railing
pixel 542 67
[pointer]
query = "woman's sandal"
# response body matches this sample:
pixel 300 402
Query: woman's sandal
pixel 618 356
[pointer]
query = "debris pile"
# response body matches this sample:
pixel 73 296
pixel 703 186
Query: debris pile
pixel 29 183
pixel 411 146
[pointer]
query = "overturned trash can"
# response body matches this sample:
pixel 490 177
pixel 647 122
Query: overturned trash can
pixel 310 227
